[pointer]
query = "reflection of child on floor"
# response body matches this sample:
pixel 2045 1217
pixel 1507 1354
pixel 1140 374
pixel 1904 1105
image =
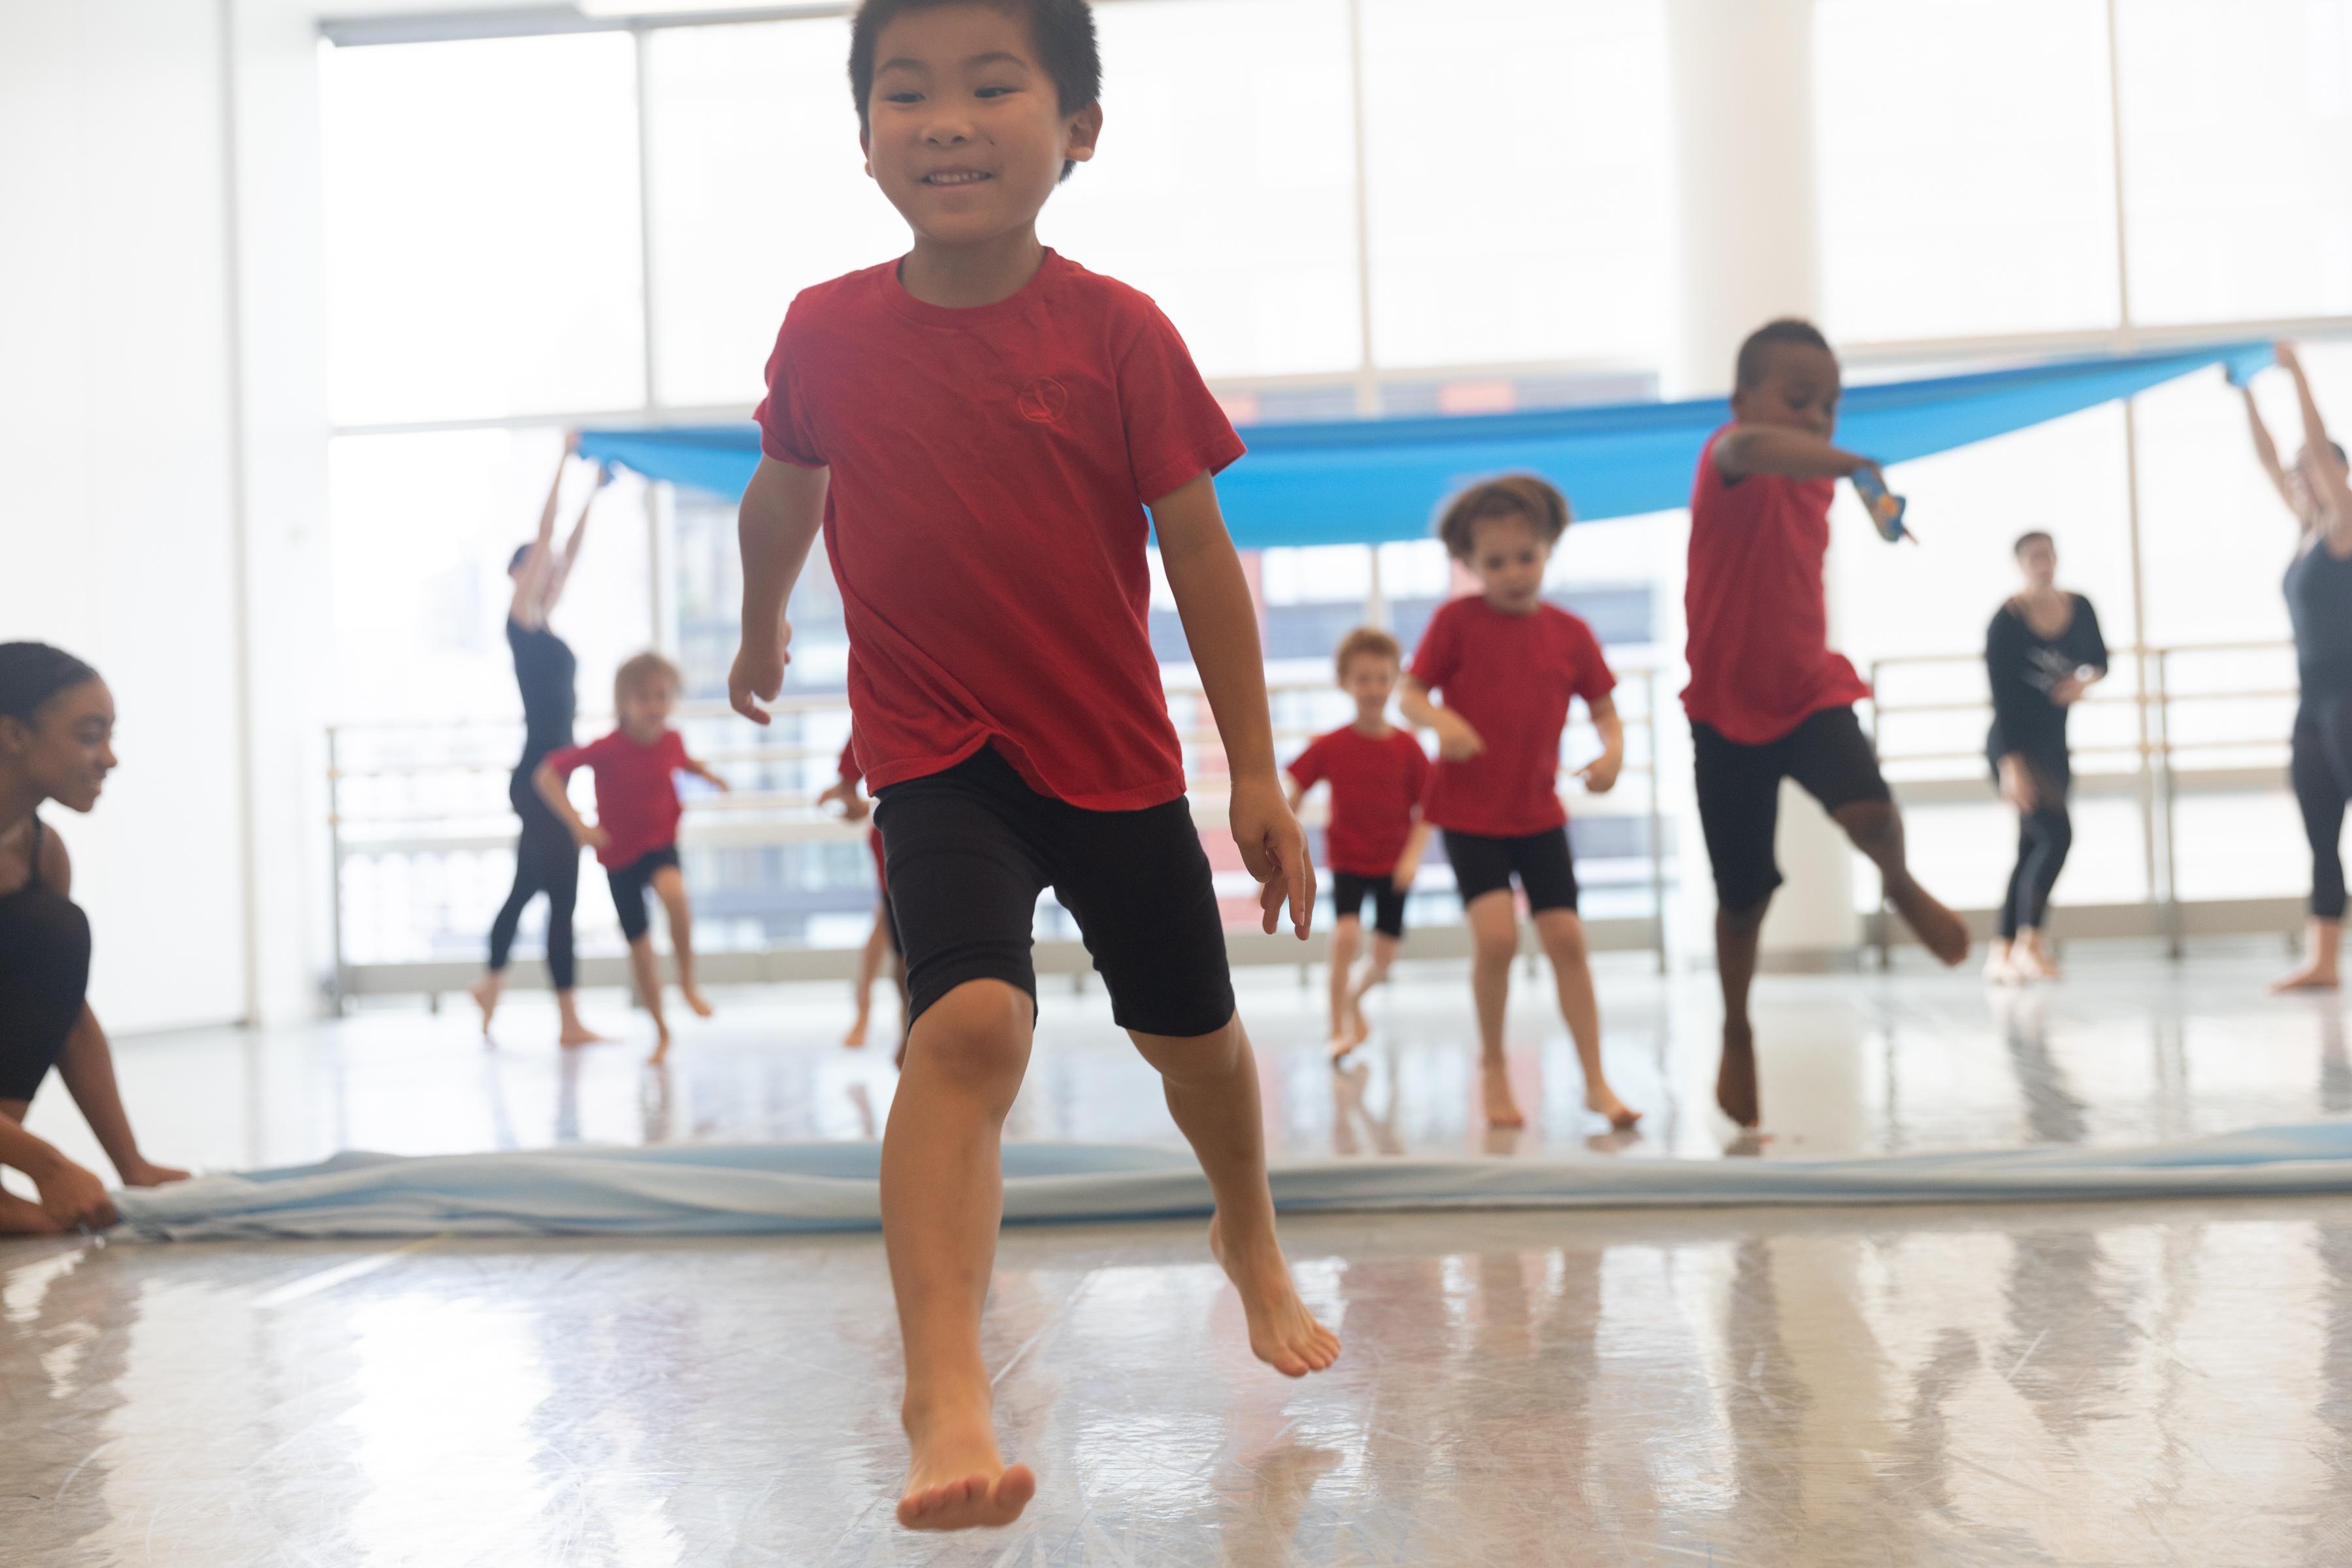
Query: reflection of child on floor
pixel 884 937
pixel 1375 841
pixel 637 812
pixel 1508 665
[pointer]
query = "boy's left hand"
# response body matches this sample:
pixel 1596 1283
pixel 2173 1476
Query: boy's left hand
pixel 1599 775
pixel 1401 877
pixel 1274 848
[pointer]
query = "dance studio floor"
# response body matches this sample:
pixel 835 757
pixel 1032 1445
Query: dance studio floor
pixel 2120 1384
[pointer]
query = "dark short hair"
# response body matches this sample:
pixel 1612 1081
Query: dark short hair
pixel 33 672
pixel 2031 536
pixel 1757 351
pixel 1362 641
pixel 1513 495
pixel 1062 30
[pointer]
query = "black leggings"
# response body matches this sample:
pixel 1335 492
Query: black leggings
pixel 43 972
pixel 2322 775
pixel 547 861
pixel 2044 837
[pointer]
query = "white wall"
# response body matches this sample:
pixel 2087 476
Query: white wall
pixel 144 501
pixel 116 522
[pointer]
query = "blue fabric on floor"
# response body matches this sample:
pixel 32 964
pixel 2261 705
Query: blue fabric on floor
pixel 767 1189
pixel 1365 481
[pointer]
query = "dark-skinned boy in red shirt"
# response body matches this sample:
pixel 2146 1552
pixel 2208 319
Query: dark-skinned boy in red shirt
pixel 979 430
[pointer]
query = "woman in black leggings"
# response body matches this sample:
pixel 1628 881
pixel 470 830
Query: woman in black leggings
pixel 2319 604
pixel 546 859
pixel 57 731
pixel 2042 652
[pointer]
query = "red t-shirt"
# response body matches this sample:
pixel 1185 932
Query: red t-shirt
pixel 1759 639
pixel 1511 677
pixel 1375 785
pixel 989 472
pixel 637 798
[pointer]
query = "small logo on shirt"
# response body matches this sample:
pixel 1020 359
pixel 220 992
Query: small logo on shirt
pixel 1043 401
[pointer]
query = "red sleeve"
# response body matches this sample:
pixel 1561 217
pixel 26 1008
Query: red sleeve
pixel 850 772
pixel 673 751
pixel 1434 660
pixel 1175 430
pixel 1311 766
pixel 1594 681
pixel 567 759
pixel 1416 769
pixel 786 432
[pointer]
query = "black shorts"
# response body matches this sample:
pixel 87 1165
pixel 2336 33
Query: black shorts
pixel 1740 794
pixel 629 884
pixel 1348 892
pixel 1546 869
pixel 970 849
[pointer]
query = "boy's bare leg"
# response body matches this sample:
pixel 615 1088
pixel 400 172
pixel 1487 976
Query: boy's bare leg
pixel 869 969
pixel 1738 935
pixel 2321 941
pixel 647 969
pixel 670 884
pixel 1384 952
pixel 1562 932
pixel 1876 829
pixel 1347 941
pixel 1494 921
pixel 1211 1081
pixel 942 1201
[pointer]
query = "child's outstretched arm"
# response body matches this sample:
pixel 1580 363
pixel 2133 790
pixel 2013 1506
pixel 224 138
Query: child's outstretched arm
pixel 1599 775
pixel 783 509
pixel 702 771
pixel 1780 449
pixel 550 785
pixel 1220 624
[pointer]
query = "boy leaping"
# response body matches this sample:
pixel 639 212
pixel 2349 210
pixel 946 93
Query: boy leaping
pixel 979 429
pixel 1767 699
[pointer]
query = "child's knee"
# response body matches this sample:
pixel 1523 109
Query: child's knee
pixel 1493 943
pixel 1563 936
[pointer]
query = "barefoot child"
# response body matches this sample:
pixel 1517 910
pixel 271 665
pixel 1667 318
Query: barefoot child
pixel 884 937
pixel 637 810
pixel 1768 700
pixel 979 428
pixel 1377 834
pixel 1509 663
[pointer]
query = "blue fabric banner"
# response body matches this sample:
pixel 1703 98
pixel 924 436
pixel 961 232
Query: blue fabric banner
pixel 1370 481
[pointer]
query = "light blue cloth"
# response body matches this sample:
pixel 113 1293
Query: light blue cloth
pixel 767 1189
pixel 1367 481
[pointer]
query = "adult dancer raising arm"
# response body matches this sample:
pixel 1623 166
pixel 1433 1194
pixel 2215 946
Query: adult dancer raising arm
pixel 2319 604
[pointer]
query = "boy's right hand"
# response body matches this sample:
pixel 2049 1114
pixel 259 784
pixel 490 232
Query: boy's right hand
pixel 592 837
pixel 845 794
pixel 1456 741
pixel 74 1197
pixel 758 675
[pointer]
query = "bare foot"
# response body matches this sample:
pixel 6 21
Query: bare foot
pixel 2032 963
pixel 1734 1080
pixel 1282 1333
pixel 485 992
pixel 576 1032
pixel 1341 1048
pixel 2313 977
pixel 1604 1100
pixel 1502 1106
pixel 957 1480
pixel 856 1038
pixel 661 1047
pixel 1945 933
pixel 1359 1028
pixel 694 1000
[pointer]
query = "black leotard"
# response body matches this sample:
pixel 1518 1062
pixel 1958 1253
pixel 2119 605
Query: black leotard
pixel 2024 667
pixel 44 978
pixel 546 859
pixel 2319 604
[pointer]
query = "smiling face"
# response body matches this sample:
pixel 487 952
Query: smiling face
pixel 1799 388
pixel 965 131
pixel 67 750
pixel 1508 555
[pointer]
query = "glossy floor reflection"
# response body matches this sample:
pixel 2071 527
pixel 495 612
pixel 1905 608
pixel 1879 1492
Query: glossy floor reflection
pixel 2119 1384
pixel 2123 1383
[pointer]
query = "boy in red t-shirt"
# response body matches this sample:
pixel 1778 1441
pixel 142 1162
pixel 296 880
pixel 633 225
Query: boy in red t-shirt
pixel 636 833
pixel 979 430
pixel 1509 663
pixel 1377 834
pixel 1768 700
pixel 884 939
